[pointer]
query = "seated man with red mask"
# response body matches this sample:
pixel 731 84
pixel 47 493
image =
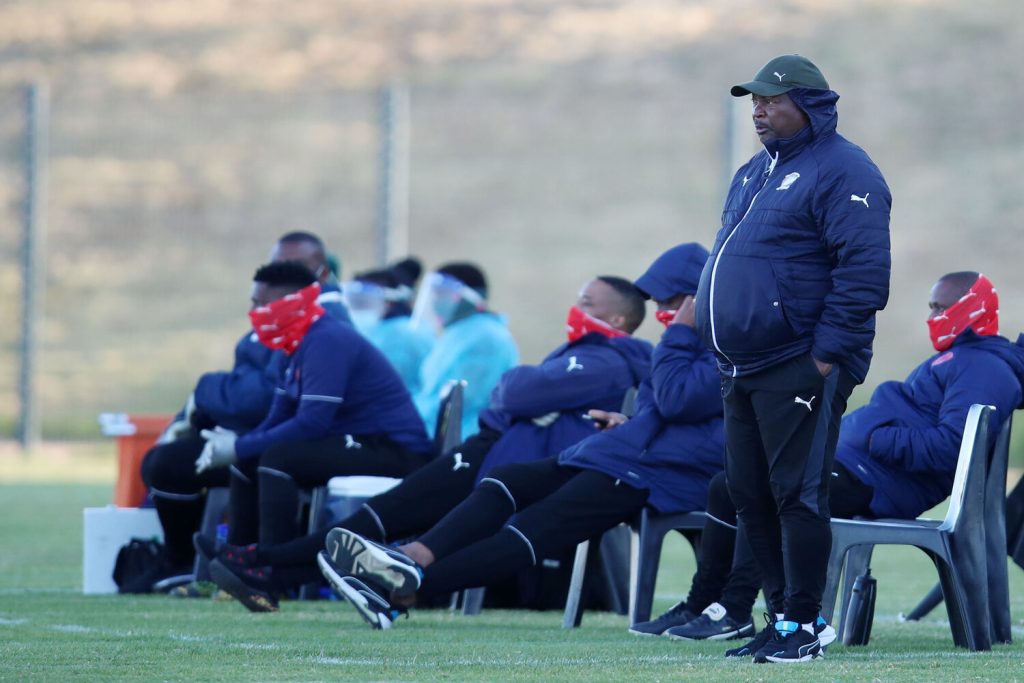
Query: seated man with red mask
pixel 896 457
pixel 340 409
pixel 535 411
pixel 520 513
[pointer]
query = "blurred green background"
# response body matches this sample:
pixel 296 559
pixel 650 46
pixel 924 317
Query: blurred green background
pixel 550 142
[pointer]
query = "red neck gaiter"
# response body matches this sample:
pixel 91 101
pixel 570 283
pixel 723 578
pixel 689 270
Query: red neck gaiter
pixel 283 323
pixel 977 310
pixel 578 324
pixel 666 317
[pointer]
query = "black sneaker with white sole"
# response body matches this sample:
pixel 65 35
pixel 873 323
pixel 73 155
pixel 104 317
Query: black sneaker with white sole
pixel 677 616
pixel 790 643
pixel 352 555
pixel 714 623
pixel 749 648
pixel 374 608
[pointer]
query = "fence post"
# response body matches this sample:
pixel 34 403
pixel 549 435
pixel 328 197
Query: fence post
pixel 738 141
pixel 33 265
pixel 392 224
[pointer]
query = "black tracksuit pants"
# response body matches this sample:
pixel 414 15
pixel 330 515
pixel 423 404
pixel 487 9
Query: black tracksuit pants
pixel 727 572
pixel 178 493
pixel 265 489
pixel 781 428
pixel 552 508
pixel 410 508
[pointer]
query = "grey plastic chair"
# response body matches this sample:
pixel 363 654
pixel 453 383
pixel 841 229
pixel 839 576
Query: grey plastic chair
pixel 649 531
pixel 995 543
pixel 956 545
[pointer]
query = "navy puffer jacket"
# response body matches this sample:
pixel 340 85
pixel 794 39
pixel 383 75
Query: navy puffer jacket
pixel 905 442
pixel 592 372
pixel 675 442
pixel 801 263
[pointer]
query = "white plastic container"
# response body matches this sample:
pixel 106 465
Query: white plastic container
pixel 105 530
pixel 346 494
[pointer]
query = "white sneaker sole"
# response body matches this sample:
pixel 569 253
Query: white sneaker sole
pixel 366 559
pixel 795 660
pixel 354 597
pixel 728 635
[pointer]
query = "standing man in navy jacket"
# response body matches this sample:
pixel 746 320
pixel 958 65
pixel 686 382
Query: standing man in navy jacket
pixel 535 412
pixel 521 513
pixel 896 456
pixel 787 301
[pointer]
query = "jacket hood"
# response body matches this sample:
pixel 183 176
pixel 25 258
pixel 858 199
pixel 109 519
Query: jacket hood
pixel 1012 353
pixel 637 353
pixel 677 271
pixel 820 107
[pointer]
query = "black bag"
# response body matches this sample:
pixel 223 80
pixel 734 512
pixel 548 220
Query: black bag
pixel 137 565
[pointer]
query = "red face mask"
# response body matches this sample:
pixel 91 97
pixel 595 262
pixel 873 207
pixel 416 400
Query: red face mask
pixel 977 310
pixel 283 323
pixel 579 324
pixel 665 317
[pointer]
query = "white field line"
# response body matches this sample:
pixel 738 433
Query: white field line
pixel 116 633
pixel 625 659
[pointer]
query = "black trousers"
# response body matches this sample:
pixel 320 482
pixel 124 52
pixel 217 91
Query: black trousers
pixel 727 571
pixel 410 508
pixel 781 428
pixel 552 508
pixel 179 494
pixel 265 489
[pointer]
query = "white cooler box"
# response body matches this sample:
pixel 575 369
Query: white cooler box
pixel 345 495
pixel 106 529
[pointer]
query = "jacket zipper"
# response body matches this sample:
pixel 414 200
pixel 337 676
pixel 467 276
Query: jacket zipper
pixel 714 269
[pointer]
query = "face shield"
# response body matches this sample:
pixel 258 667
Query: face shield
pixel 442 300
pixel 367 303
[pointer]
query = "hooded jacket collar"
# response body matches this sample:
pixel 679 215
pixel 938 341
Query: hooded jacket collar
pixel 820 108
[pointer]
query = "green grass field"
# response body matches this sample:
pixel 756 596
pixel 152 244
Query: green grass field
pixel 50 631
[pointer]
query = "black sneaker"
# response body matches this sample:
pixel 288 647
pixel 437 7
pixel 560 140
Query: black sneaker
pixel 240 555
pixel 249 585
pixel 373 607
pixel 749 648
pixel 790 643
pixel 676 616
pixel 714 623
pixel 351 554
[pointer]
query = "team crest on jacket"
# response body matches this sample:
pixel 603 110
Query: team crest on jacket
pixel 788 180
pixel 947 356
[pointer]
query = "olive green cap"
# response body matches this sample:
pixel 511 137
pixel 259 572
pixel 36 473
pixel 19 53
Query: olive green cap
pixel 782 74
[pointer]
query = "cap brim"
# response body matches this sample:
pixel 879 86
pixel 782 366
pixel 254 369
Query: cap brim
pixel 759 88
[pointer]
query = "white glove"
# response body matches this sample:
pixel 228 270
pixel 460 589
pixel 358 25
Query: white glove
pixel 546 420
pixel 219 450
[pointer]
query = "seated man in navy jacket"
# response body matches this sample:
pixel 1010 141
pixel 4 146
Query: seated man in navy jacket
pixel 662 457
pixel 896 456
pixel 236 400
pixel 535 411
pixel 339 409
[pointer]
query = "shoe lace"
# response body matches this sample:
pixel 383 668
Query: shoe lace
pixel 678 610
